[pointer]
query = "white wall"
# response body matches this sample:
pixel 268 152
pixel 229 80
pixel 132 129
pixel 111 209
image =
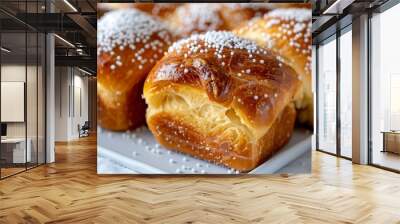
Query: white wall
pixel 61 103
pixel 71 93
pixel 12 73
pixel 33 126
pixel 81 94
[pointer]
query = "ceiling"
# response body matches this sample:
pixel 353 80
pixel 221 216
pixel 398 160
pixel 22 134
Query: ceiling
pixel 330 15
pixel 74 22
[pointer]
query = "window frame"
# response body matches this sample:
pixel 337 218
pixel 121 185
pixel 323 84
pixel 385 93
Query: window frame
pixel 378 10
pixel 333 37
pixel 27 29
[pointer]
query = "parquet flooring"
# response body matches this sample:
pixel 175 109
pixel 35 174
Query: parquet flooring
pixel 70 191
pixel 10 171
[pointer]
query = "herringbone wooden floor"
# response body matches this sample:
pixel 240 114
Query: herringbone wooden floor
pixel 69 191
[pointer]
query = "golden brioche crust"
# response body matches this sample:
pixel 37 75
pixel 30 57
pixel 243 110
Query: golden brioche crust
pixel 129 44
pixel 252 81
pixel 171 132
pixel 287 32
pixel 161 10
pixel 291 5
pixel 103 8
pixel 124 111
pixel 195 18
pixel 236 14
pixel 225 92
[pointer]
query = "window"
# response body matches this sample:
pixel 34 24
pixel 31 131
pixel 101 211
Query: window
pixel 385 89
pixel 334 106
pixel 346 92
pixel 327 96
pixel 22 79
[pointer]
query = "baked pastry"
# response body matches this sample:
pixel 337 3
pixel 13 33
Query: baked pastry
pixel 129 42
pixel 103 8
pixel 221 98
pixel 287 32
pixel 194 18
pixel 236 14
pixel 161 10
pixel 290 5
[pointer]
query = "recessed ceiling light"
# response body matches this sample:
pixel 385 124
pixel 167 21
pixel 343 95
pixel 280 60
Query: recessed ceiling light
pixel 84 71
pixel 64 40
pixel 70 5
pixel 5 49
pixel 338 6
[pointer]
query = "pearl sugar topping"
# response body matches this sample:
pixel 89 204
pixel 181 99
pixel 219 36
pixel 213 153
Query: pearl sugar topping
pixel 295 25
pixel 216 41
pixel 130 28
pixel 199 17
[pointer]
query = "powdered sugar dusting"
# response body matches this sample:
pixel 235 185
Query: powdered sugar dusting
pixel 254 6
pixel 134 29
pixel 297 14
pixel 300 25
pixel 294 25
pixel 126 27
pixel 217 40
pixel 197 17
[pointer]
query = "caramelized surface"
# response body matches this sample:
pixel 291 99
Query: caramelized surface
pixel 287 32
pixel 129 44
pixel 259 91
pixel 223 99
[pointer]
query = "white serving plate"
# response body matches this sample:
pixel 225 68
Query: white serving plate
pixel 138 152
